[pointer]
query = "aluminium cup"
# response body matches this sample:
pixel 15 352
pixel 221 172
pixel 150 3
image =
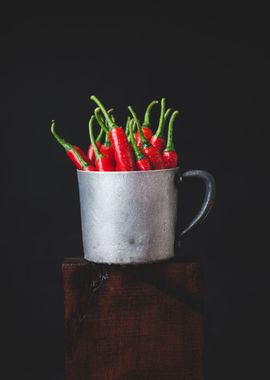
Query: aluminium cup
pixel 131 217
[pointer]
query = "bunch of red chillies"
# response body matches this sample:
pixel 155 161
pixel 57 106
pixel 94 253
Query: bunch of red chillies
pixel 135 148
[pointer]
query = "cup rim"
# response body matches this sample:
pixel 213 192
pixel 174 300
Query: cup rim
pixel 143 172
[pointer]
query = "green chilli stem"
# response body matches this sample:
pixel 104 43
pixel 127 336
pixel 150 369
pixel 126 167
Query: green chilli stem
pixel 100 121
pixel 146 121
pixel 92 138
pixel 159 132
pixel 127 126
pixel 107 141
pixel 143 139
pixel 109 120
pixel 137 151
pixel 170 145
pixel 67 146
pixel 133 127
pixel 167 113
pixel 100 135
pixel 109 112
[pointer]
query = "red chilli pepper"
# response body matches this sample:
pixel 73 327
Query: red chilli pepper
pixel 147 131
pixel 91 152
pixel 81 152
pixel 148 150
pixel 72 152
pixel 169 155
pixel 158 140
pixel 142 162
pixel 102 162
pixel 122 152
pixel 107 150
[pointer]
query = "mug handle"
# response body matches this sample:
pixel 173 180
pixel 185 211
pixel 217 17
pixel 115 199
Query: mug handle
pixel 210 191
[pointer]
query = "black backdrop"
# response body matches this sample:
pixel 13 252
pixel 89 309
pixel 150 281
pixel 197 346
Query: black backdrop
pixel 212 64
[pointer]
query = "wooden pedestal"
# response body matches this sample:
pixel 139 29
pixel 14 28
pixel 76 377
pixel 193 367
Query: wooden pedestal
pixel 133 322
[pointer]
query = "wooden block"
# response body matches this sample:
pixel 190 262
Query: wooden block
pixel 140 322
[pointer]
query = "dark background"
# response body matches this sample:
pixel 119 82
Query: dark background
pixel 212 64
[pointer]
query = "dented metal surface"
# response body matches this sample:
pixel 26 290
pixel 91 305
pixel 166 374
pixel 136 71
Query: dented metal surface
pixel 128 217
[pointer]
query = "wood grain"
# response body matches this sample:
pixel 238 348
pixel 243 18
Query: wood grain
pixel 133 322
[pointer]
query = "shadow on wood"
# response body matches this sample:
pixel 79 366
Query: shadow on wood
pixel 133 322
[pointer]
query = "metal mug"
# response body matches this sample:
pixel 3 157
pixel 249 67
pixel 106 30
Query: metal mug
pixel 130 217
